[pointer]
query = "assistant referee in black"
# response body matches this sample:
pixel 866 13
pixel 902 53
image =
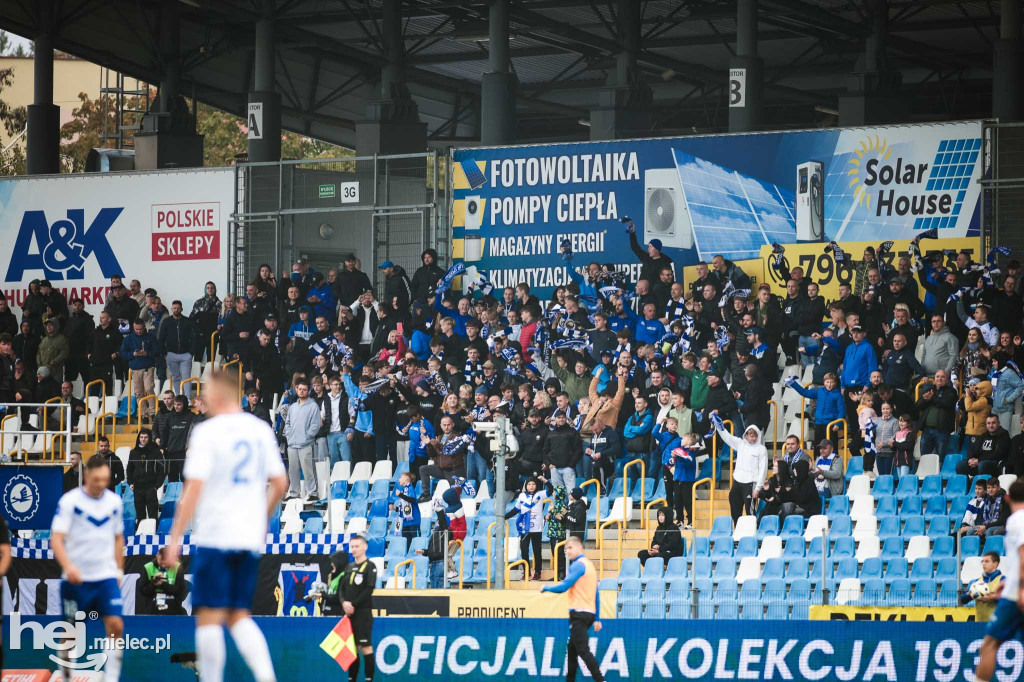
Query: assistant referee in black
pixel 357 602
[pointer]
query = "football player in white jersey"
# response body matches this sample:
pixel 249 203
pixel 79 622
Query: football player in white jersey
pixel 231 458
pixel 1007 621
pixel 87 539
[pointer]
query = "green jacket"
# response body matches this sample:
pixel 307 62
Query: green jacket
pixel 53 352
pixel 576 386
pixel 698 384
pixel 556 527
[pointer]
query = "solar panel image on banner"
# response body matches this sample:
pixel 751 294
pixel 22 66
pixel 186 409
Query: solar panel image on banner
pixel 733 214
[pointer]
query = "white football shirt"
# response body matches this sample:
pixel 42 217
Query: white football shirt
pixel 1010 564
pixel 90 525
pixel 234 455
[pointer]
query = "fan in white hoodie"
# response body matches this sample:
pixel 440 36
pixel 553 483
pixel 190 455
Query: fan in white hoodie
pixel 751 464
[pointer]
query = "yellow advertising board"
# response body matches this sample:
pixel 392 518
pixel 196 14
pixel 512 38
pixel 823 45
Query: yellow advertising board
pixel 480 603
pixel 913 613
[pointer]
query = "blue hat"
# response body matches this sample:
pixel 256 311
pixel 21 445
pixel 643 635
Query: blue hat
pixel 752 330
pixel 452 499
pixel 386 264
pixel 656 243
pixel 481 389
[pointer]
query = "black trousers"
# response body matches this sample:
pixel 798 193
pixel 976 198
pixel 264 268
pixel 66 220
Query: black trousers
pixel 684 500
pixel 175 463
pixel 579 646
pixel 738 497
pixel 428 470
pixel 670 488
pixel 105 372
pixel 146 506
pixel 525 541
pixel 561 560
pixel 363 449
pixel 77 366
pixel 821 433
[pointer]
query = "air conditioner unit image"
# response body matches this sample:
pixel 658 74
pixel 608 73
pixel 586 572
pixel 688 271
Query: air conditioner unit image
pixel 474 212
pixel 666 216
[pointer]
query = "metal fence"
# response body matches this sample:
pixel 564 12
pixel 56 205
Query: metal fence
pixel 376 207
pixel 1002 195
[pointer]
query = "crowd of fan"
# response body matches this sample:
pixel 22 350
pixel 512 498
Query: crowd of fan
pixel 604 372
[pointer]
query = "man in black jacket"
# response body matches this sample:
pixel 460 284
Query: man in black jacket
pixel 80 328
pixel 563 450
pixel 238 332
pixel 937 408
pixel 426 276
pixel 531 445
pixel 176 336
pixel 265 370
pixel 652 259
pixel 174 437
pixel 719 398
pixel 396 285
pixel 254 407
pixel 755 397
pixel 112 460
pixel 352 282
pixel 988 452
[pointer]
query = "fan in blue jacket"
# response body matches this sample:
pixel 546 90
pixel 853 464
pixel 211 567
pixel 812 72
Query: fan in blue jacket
pixel 827 354
pixel 682 460
pixel 829 402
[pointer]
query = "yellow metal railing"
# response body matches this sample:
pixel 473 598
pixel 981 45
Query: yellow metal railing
pixel 241 375
pixel 190 380
pixel 489 555
pixel 711 497
pixel 647 514
pixel 626 499
pixel 846 439
pixel 145 399
pixel 714 452
pixel 103 400
pixel 52 401
pixel 101 429
pixel 213 347
pixel 129 390
pixel 554 558
pixel 4 435
pixel 600 549
pixel 53 446
pixel 526 571
pixel 404 563
pixel 597 495
pixel 774 406
pixel 462 559
pixel 917 386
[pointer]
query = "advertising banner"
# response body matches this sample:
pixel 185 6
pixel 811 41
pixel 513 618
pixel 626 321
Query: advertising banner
pixel 30 495
pixel 894 613
pixel 480 603
pixel 701 196
pixel 167 229
pixel 425 649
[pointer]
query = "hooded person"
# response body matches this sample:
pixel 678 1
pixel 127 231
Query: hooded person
pixel 528 512
pixel 425 279
pixel 556 519
pixel 331 604
pixel 751 464
pixel 667 541
pixel 204 314
pixel 145 473
pixel 776 490
pixel 803 498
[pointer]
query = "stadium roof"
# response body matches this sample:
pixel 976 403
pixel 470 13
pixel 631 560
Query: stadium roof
pixel 562 52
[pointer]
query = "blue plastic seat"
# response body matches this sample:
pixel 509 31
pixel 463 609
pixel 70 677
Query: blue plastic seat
pixel 397 548
pixel 653 570
pixel 949 463
pixel 797 570
pixel 646 486
pixel 727 590
pixel 872 569
pixel 314 525
pixel 728 611
pixel 654 607
pixel 375 547
pixel 746 547
pixel 889 527
pixel 380 489
pixel 912 506
pixel 943 546
pixel 592 511
pixel 659 492
pixel 925 592
pixel 815 547
pixel 356 508
pixel 617 488
pixel 956 486
pixel 723 548
pixel 360 490
pixel 844 548
pixel 702 547
pixel 129 526
pixel 945 569
pixel 906 487
pixel 721 528
pixel 938 527
pixel 892 548
pixel 768 525
pixel 173 491
pixel 874 592
pixel 958 507
pixel 702 568
pixel 679 608
pixel 995 543
pixel 855 467
pixel 629 569
pixel 379 507
pixel 794 548
pixel 774 590
pixel 935 505
pixel 167 510
pixel 887 506
pixel 900 592
pixel 774 569
pixel 921 569
pixel 841 527
pixel 931 485
pixel 630 586
pixel 725 569
pixel 949 592
pixel 884 485
pixel 793 527
pixel 677 568
pixel 378 527
pixel 339 489
pixel 896 569
pixel 630 607
pixel 655 587
pixel 914 525
pixel 750 592
pixel 163 525
pixel 847 568
pixel 679 588
pixel 838 505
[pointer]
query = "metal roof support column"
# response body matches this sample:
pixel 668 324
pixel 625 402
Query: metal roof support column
pixel 746 72
pixel 1008 52
pixel 264 112
pixel 43 137
pixel 499 85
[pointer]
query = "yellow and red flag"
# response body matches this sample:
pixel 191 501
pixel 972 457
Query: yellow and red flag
pixel 340 644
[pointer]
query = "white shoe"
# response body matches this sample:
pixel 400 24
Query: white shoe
pixel 453 575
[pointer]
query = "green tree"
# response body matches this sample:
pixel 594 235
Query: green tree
pixel 14 119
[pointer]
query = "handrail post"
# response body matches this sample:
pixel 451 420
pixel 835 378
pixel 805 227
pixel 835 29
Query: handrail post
pixel 213 347
pixel 626 499
pixel 526 571
pixel 554 559
pixel 600 529
pixel 846 439
pixel 103 399
pixel 398 566
pixel 143 400
pixel 711 497
pixel 597 495
pixel 650 505
pixel 775 428
pixel 130 391
pixel 181 385
pixel 462 560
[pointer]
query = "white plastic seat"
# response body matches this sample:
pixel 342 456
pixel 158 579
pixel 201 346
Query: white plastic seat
pixel 849 591
pixel 341 471
pixel 859 485
pixel 746 527
pixel 808 376
pixel 146 527
pixel 919 547
pixel 866 527
pixel 322 468
pixel 122 454
pixel 771 548
pixel 863 507
pixel 292 509
pixel 620 511
pixel 292 526
pixel 483 492
pixel 1006 480
pixel 512 550
pixel 110 404
pixel 395 583
pixel 77 387
pixel 749 567
pixel 928 466
pixel 356 525
pixel 469 506
pixel 337 510
pixel 868 548
pixel 361 472
pixel 383 469
pixel 94 404
pixel 440 489
pixel 815 525
pixel 971 570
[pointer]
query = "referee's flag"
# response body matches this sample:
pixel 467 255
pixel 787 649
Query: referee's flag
pixel 340 644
